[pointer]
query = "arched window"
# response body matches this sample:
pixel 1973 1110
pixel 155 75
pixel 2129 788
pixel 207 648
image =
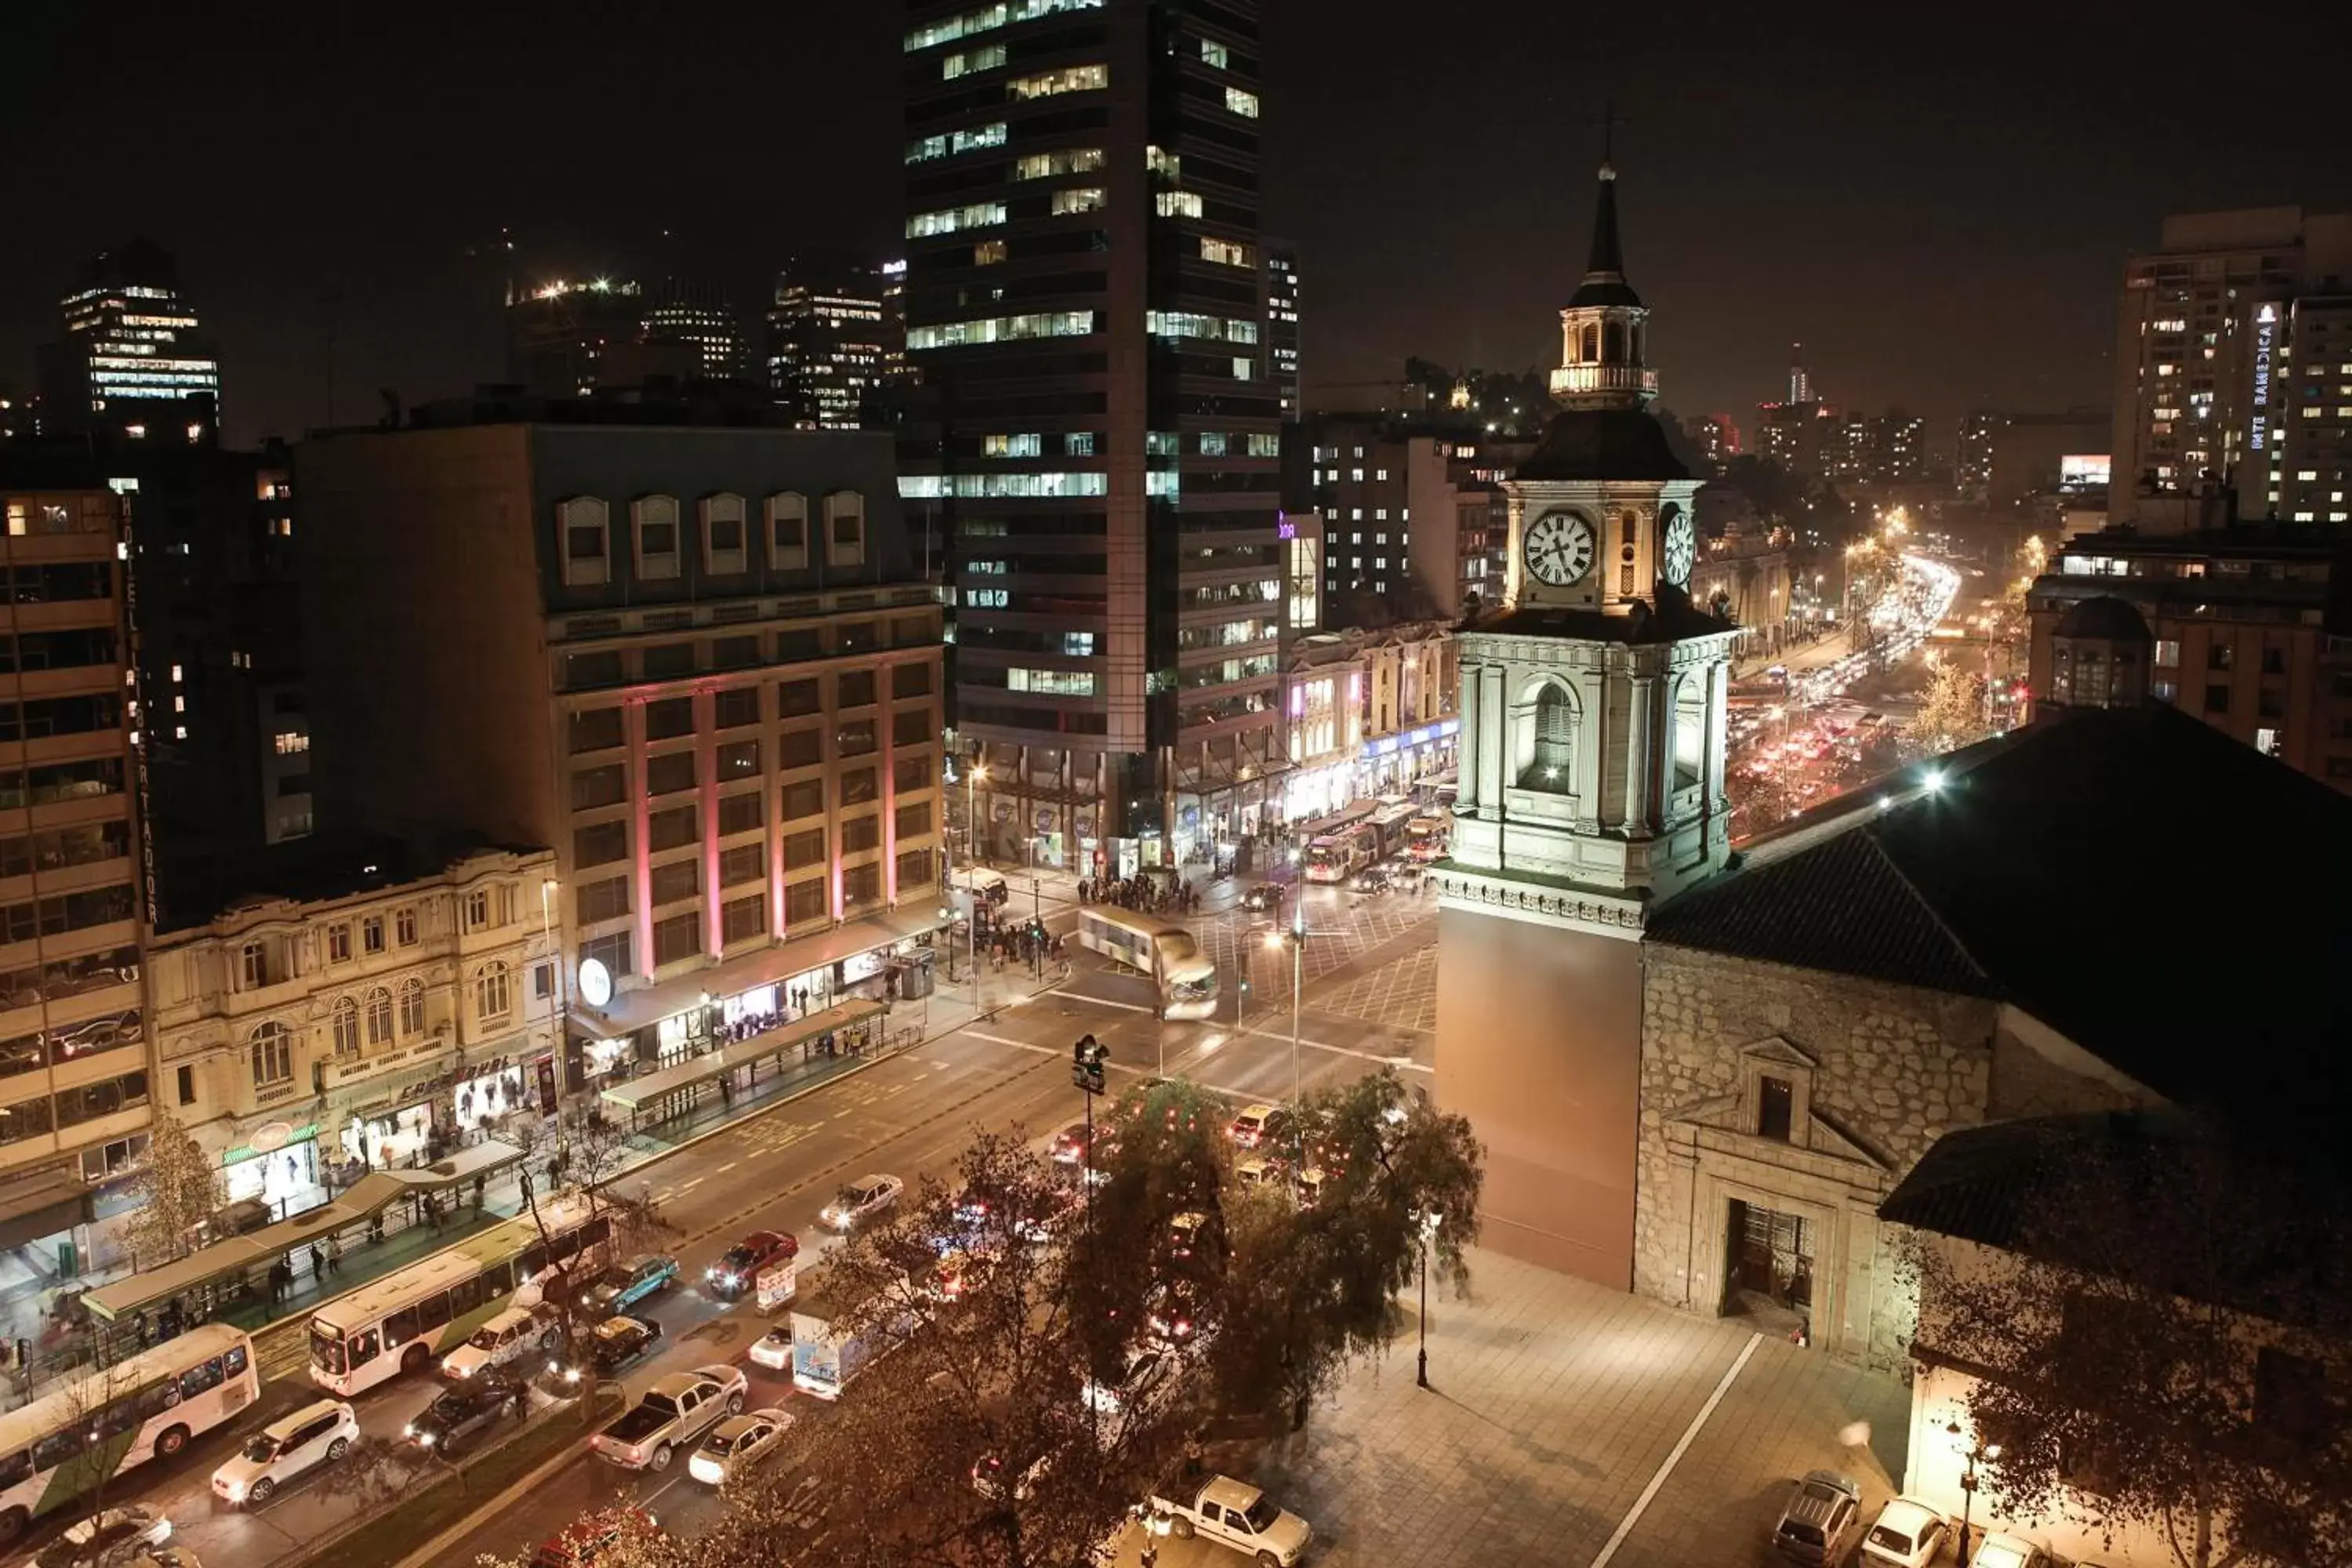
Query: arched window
pixel 845 528
pixel 347 1027
pixel 378 1018
pixel 412 1006
pixel 587 547
pixel 272 1050
pixel 493 996
pixel 788 544
pixel 1551 750
pixel 724 551
pixel 1690 730
pixel 1614 349
pixel 1592 343
pixel 657 527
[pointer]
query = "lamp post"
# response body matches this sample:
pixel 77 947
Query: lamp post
pixel 971 844
pixel 1978 1450
pixel 1428 1233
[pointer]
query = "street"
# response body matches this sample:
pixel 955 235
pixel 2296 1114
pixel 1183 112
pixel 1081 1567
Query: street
pixel 906 1115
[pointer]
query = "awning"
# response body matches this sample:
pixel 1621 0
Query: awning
pixel 632 1010
pixel 240 1255
pixel 42 1206
pixel 654 1088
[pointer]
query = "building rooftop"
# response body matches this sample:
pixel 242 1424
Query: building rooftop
pixel 1603 443
pixel 2109 873
pixel 1675 618
pixel 2018 1187
pixel 322 869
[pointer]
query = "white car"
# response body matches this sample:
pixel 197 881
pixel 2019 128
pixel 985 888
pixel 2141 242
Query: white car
pixel 1906 1535
pixel 861 1202
pixel 510 1336
pixel 2006 1550
pixel 109 1539
pixel 773 1350
pixel 737 1444
pixel 1150 1383
pixel 319 1433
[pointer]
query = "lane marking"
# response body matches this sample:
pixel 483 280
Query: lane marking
pixel 1633 1514
pixel 1404 1063
pixel 728 1166
pixel 1017 1045
pixel 1105 1002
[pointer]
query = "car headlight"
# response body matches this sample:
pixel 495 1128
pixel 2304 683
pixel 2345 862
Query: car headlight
pixel 462 1371
pixel 236 1491
pixel 409 1430
pixel 424 1439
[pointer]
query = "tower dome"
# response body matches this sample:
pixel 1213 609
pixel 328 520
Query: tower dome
pixel 2099 656
pixel 1603 361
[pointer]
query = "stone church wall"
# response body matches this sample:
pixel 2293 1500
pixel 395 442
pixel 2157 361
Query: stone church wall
pixel 1879 1072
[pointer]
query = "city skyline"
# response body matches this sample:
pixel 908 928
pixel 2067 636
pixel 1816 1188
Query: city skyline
pixel 330 269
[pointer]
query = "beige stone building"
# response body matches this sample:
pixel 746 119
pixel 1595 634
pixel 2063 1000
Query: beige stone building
pixel 370 1008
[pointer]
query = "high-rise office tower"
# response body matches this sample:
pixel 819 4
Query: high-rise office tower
pixel 131 360
pixel 565 339
pixel 1972 474
pixel 698 316
pixel 1097 424
pixel 2230 345
pixel 1282 323
pixel 1801 385
pixel 828 338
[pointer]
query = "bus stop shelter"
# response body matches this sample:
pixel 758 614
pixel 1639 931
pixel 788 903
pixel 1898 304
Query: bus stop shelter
pixel 240 1260
pixel 672 1092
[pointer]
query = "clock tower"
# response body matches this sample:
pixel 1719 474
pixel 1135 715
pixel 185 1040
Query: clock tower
pixel 1591 788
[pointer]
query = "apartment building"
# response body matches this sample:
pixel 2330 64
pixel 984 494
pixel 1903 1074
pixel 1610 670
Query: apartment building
pixel 74 1089
pixel 693 659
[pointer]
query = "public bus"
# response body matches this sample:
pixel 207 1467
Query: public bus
pixel 1336 857
pixel 59 1448
pixel 1389 825
pixel 1340 821
pixel 1187 977
pixel 406 1321
pixel 1425 838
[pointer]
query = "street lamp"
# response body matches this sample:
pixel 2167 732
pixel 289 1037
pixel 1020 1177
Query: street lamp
pixel 971 845
pixel 1978 1451
pixel 1428 1233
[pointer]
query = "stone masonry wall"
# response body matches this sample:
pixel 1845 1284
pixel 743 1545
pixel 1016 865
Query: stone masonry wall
pixel 1896 1068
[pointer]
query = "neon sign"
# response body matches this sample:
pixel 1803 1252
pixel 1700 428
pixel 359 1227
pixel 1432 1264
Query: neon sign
pixel 2265 328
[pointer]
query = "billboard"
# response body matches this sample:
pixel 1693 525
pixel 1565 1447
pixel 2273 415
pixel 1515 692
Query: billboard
pixel 2083 471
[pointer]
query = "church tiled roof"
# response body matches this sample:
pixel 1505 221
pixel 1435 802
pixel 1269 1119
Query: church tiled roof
pixel 2160 894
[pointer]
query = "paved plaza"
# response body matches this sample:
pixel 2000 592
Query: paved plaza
pixel 1571 1427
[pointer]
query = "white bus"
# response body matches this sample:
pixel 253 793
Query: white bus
pixel 58 1449
pixel 1389 825
pixel 1188 978
pixel 408 1321
pixel 1336 857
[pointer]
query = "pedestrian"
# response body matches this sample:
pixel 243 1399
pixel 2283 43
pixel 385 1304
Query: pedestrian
pixel 334 1255
pixel 318 1262
pixel 521 1400
pixel 478 1179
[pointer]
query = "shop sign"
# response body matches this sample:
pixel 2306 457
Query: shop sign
pixel 268 1139
pixel 595 981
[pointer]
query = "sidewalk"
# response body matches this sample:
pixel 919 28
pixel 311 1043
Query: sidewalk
pixel 1553 1407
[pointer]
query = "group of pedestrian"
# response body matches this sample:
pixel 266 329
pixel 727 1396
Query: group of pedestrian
pixel 326 1261
pixel 1145 895
pixel 1025 944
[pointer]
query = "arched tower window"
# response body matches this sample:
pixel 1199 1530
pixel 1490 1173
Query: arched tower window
pixel 1551 750
pixel 1637 345
pixel 1614 349
pixel 1690 729
pixel 1592 343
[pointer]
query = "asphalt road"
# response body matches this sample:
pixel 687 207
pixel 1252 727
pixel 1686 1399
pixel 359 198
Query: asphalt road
pixel 906 1115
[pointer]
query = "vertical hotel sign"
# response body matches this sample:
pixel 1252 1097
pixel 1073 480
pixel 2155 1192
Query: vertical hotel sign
pixel 124 553
pixel 2265 338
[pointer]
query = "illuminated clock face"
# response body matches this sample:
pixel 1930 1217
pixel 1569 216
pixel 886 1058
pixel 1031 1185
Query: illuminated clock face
pixel 1558 548
pixel 1680 543
pixel 595 981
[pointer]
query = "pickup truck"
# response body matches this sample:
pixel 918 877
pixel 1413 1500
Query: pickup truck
pixel 673 1413
pixel 1236 1514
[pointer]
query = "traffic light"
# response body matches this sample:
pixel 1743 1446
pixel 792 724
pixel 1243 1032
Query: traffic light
pixel 1085 1063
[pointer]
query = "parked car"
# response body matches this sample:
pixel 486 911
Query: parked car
pixel 1150 1383
pixel 2002 1550
pixel 1235 1514
pixel 459 1414
pixel 111 1538
pixel 739 1266
pixel 736 1444
pixel 862 1202
pixel 505 1339
pixel 624 1285
pixel 670 1415
pixel 614 1343
pixel 1906 1535
pixel 320 1433
pixel 773 1350
pixel 956 1273
pixel 1821 1516
pixel 1265 898
pixel 1260 1126
pixel 590 1535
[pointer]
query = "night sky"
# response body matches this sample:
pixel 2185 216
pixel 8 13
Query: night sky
pixel 1937 212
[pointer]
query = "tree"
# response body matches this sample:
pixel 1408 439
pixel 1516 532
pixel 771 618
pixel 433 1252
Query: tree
pixel 588 1158
pixel 2149 1344
pixel 1312 1286
pixel 1952 714
pixel 178 1189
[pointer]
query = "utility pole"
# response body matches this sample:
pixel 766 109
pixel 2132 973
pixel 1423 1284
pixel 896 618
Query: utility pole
pixel 1086 1059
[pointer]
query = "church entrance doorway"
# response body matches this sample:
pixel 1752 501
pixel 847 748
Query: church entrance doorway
pixel 1768 1266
